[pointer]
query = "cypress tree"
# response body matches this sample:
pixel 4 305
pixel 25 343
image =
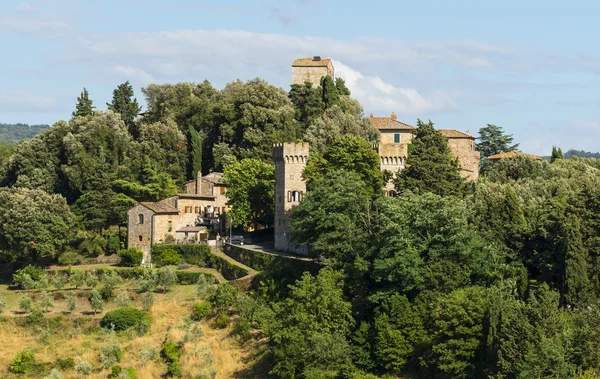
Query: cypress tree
pixel 577 283
pixel 515 224
pixel 84 106
pixel 196 141
pixel 126 105
pixel 431 167
pixel 340 84
pixel 556 154
pixel 308 103
pixel 331 96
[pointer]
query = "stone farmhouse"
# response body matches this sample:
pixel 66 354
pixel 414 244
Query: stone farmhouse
pixel 187 217
pixel 290 158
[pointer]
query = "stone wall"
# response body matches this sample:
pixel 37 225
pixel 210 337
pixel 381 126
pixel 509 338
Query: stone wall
pixel 468 157
pixel 139 235
pixel 290 160
pixel 311 74
pixel 164 224
pixel 387 136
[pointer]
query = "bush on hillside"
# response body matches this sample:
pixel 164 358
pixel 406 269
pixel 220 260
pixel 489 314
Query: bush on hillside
pixel 125 318
pixel 24 362
pixel 200 311
pixel 34 273
pixel 169 257
pixel 131 257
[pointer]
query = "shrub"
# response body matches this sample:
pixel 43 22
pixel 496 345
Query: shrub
pixel 130 373
pixel 111 352
pixel 54 374
pixel 147 300
pixel 91 280
pixel 35 317
pixel 222 320
pixel 113 243
pixel 241 328
pixel 69 257
pixel 200 311
pixel 115 371
pixel 35 273
pixel 205 286
pixel 183 266
pixel 96 302
pixel 22 363
pixel 71 302
pixel 167 276
pixel 174 369
pixel 64 364
pixel 223 297
pixel 169 257
pixel 131 257
pixel 59 281
pixel 26 304
pixel 147 355
pixel 125 318
pixel 46 301
pixel 123 299
pixel 83 367
pixel 3 304
pixel 78 278
pixel 170 352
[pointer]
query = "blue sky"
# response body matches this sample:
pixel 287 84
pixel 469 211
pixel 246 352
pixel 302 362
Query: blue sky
pixel 532 67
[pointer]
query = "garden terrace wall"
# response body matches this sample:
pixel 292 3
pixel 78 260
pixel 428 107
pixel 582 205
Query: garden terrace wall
pixel 201 255
pixel 261 261
pixel 183 277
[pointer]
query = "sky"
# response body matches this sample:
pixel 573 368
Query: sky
pixel 531 67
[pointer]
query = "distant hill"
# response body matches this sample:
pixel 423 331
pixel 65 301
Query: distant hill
pixel 575 153
pixel 17 132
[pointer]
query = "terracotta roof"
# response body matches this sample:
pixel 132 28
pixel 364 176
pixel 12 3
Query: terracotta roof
pixel 192 229
pixel 310 62
pixel 389 123
pixel 451 133
pixel 195 196
pixel 159 207
pixel 514 154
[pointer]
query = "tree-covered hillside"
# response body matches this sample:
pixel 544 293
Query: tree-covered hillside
pixel 17 132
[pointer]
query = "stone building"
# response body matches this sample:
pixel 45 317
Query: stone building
pixel 462 145
pixel 187 217
pixel 289 159
pixel 311 70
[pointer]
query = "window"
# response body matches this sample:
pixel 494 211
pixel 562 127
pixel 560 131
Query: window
pixel 140 219
pixel 196 210
pixel 140 238
pixel 170 227
pixel 294 196
pixel 222 190
pixel 396 138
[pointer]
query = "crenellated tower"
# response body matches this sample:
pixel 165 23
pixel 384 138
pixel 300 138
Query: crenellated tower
pixel 290 160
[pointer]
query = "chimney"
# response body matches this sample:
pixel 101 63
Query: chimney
pixel 393 116
pixel 316 58
pixel 371 115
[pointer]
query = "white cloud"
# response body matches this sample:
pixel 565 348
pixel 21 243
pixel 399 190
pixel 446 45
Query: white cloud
pixel 133 74
pixel 379 96
pixel 21 101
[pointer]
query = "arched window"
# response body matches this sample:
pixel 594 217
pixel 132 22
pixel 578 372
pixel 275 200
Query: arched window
pixel 140 219
pixel 140 238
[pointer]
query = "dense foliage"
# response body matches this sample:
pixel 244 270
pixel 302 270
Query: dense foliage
pixel 125 318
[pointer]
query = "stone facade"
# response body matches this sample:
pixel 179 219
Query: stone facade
pixel 183 218
pixel 462 145
pixel 290 160
pixel 311 70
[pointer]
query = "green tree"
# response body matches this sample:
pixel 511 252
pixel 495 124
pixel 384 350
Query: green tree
pixel 96 302
pixel 340 85
pixel 46 301
pixel 309 330
pixel 93 245
pixel 167 277
pixel 71 302
pixel 556 154
pixel 250 192
pixel 124 103
pixel 332 218
pixel 492 141
pixel 458 332
pixel 349 153
pixel 33 223
pixel 196 141
pixel 431 167
pixel 308 103
pixel 84 106
pixel 331 96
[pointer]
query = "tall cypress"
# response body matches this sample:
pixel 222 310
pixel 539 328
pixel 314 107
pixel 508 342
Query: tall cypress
pixel 431 167
pixel 331 96
pixel 556 154
pixel 126 105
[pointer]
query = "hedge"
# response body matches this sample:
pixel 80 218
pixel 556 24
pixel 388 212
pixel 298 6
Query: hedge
pixel 197 254
pixel 183 277
pixel 125 318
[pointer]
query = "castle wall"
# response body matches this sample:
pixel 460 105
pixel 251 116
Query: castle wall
pixel 139 235
pixel 290 160
pixel 312 74
pixel 387 136
pixel 468 157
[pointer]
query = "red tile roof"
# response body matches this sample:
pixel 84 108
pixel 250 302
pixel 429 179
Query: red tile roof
pixel 451 133
pixel 514 154
pixel 389 123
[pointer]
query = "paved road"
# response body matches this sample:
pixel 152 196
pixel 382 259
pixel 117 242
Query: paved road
pixel 267 248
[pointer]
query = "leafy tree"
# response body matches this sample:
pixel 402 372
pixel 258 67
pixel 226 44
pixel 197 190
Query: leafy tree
pixel 349 153
pixel 59 281
pixel 458 328
pixel 33 223
pixel 83 367
pixel 492 141
pixel 46 301
pixel 431 167
pixel 93 245
pixel 334 123
pixel 166 277
pixel 96 302
pixel 331 96
pixel 84 106
pixel 147 299
pixel 26 304
pixel 250 192
pixel 131 257
pixel 126 105
pixel 153 186
pixel 71 302
pixel 332 218
pixel 308 103
pixel 309 329
pixel 78 278
pixel 556 154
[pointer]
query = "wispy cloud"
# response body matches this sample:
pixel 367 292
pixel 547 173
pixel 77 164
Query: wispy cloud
pixel 21 101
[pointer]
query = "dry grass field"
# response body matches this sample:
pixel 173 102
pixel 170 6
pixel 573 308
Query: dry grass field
pixel 75 335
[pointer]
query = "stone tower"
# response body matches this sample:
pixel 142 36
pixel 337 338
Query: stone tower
pixel 290 160
pixel 311 70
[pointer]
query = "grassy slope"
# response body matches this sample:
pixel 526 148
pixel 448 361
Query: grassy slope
pixel 169 313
